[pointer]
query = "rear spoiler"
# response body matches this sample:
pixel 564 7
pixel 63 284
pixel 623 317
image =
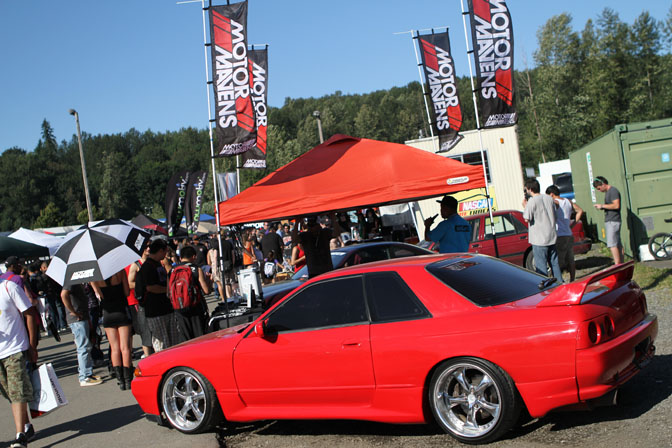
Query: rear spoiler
pixel 572 293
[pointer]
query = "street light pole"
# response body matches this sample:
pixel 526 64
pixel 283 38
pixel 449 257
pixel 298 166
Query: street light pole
pixel 81 157
pixel 316 114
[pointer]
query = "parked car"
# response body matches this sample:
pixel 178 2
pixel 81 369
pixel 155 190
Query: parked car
pixel 350 255
pixel 511 231
pixel 466 340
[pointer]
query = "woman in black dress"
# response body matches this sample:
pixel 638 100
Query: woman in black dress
pixel 113 294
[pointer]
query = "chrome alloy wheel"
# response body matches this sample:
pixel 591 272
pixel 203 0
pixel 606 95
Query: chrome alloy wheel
pixel 184 400
pixel 467 400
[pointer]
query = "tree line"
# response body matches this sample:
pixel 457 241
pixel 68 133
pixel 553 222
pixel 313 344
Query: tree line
pixel 582 84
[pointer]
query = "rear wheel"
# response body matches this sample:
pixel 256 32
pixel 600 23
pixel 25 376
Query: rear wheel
pixel 188 401
pixel 473 400
pixel 660 246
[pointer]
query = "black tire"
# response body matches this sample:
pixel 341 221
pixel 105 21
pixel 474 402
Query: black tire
pixel 529 261
pixel 660 246
pixel 473 400
pixel 188 401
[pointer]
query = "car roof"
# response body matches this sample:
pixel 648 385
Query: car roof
pixel 494 213
pixel 418 261
pixel 356 246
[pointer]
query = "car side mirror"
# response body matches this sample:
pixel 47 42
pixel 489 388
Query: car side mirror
pixel 262 330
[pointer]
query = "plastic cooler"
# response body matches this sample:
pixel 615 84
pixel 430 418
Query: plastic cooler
pixel 249 283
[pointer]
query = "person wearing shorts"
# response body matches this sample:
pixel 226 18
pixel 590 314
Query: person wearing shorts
pixel 612 217
pixel 17 346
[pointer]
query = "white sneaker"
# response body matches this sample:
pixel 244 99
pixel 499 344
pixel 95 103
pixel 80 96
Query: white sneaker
pixel 91 381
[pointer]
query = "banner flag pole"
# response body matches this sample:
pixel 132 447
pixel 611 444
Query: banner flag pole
pixel 414 38
pixel 480 131
pixel 212 159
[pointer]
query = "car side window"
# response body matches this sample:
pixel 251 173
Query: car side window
pixel 475 228
pixel 520 227
pixel 390 299
pixel 503 226
pixel 402 252
pixel 328 303
pixel 370 254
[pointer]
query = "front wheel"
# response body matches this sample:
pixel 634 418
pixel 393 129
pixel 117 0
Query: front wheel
pixel 473 400
pixel 188 401
pixel 660 246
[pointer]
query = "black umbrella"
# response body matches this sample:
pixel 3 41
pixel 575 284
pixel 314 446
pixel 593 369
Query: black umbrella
pixel 22 249
pixel 97 251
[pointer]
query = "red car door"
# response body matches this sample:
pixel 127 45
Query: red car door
pixel 511 238
pixel 316 350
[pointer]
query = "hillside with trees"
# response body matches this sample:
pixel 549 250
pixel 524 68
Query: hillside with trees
pixel 582 84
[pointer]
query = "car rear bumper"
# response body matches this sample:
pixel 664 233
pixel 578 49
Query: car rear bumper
pixel 605 367
pixel 146 391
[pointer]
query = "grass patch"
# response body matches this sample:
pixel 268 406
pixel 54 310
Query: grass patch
pixel 649 278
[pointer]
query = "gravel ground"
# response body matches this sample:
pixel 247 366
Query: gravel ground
pixel 640 419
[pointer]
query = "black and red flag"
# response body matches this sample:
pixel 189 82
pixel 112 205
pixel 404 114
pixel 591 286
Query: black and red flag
pixel 194 202
pixel 445 111
pixel 231 78
pixel 492 38
pixel 256 157
pixel 176 194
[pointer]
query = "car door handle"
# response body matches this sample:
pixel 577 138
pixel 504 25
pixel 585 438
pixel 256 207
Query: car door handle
pixel 475 245
pixel 524 237
pixel 351 344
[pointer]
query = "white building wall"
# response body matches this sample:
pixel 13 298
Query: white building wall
pixel 503 154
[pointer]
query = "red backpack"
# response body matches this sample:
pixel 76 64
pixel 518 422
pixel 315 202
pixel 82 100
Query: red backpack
pixel 185 291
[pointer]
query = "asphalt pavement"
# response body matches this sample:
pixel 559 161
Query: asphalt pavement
pixel 102 415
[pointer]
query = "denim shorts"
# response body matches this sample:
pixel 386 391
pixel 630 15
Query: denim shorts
pixel 613 231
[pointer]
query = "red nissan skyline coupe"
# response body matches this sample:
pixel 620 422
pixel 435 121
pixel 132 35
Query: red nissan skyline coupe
pixel 466 340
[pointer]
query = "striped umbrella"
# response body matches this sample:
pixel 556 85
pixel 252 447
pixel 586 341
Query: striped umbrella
pixel 97 251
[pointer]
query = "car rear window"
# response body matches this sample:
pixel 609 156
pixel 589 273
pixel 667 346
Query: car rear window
pixel 487 281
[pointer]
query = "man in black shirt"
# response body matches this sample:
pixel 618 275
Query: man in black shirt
pixel 151 287
pixel 315 242
pixel 271 241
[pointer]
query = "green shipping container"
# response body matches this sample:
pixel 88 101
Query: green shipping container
pixel 635 158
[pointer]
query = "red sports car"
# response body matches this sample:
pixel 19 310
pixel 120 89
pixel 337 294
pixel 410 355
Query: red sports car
pixel 466 340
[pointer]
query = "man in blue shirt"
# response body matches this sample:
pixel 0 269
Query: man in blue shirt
pixel 453 233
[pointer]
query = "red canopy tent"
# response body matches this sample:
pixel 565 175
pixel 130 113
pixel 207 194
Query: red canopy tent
pixel 346 173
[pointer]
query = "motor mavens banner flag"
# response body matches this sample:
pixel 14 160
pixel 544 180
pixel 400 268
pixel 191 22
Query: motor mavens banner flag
pixel 232 80
pixel 446 112
pixel 492 39
pixel 192 209
pixel 176 194
pixel 228 185
pixel 256 157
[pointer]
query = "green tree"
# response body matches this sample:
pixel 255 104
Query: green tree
pixel 50 216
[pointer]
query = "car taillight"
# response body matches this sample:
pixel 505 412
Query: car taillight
pixel 595 331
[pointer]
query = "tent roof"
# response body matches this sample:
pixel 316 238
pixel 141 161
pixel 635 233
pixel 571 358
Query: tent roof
pixel 51 242
pixel 346 173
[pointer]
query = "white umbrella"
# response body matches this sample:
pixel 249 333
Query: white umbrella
pixel 51 242
pixel 97 251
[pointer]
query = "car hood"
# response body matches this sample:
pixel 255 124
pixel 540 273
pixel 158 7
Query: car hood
pixel 180 354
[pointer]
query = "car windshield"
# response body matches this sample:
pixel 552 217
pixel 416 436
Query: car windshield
pixel 336 257
pixel 486 281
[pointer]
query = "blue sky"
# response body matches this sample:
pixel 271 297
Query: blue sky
pixel 140 63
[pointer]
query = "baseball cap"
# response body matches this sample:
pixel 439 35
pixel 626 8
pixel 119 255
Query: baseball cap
pixel 448 201
pixel 12 260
